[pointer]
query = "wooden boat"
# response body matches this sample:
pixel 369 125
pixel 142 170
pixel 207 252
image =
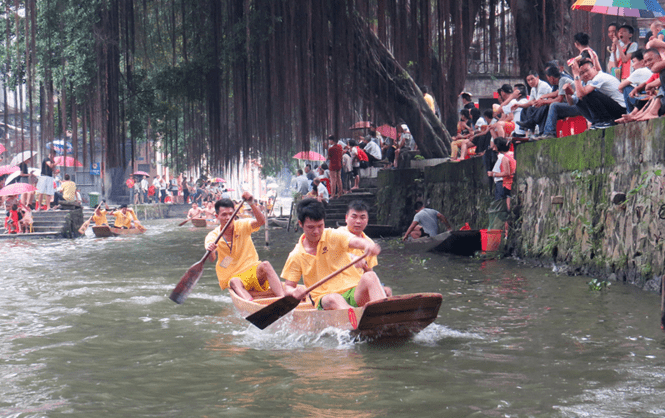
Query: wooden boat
pixel 104 231
pixel 396 317
pixel 375 230
pixel 280 222
pixel 464 243
pixel 203 223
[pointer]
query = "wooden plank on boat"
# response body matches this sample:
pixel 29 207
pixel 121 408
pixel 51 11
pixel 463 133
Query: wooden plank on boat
pixel 403 315
pixel 199 222
pixel 102 231
pixel 398 316
pixel 123 231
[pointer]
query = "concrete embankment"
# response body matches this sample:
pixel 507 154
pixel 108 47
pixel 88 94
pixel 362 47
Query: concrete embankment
pixel 590 204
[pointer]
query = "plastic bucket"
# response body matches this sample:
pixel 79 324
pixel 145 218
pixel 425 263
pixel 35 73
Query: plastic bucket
pixel 94 199
pixel 490 239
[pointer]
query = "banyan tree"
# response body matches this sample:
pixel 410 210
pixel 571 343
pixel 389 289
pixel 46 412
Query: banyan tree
pixel 215 79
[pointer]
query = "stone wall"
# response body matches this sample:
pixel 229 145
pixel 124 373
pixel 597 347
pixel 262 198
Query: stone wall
pixel 586 233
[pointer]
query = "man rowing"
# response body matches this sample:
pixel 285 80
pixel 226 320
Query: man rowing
pixel 321 251
pixel 238 265
pixel 99 217
pixel 357 217
pixel 195 211
pixel 125 218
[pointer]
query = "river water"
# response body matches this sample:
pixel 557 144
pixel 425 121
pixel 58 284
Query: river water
pixel 87 330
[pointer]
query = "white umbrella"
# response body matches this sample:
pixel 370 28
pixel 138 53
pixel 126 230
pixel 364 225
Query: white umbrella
pixel 22 156
pixel 37 172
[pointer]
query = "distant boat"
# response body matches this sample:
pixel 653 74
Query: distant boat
pixel 203 223
pixel 465 243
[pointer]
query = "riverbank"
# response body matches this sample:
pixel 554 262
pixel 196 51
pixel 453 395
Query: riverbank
pixel 591 204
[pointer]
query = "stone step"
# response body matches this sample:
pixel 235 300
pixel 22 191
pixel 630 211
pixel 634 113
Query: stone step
pixel 34 235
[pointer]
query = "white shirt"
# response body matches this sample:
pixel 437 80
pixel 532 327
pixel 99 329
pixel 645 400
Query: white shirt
pixel 609 86
pixel 639 76
pixel 373 149
pixel 517 113
pixel 540 90
pixel 322 191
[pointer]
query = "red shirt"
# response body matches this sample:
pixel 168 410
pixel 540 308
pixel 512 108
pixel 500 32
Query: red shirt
pixel 335 154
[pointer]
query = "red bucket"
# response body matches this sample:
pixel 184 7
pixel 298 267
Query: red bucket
pixel 490 239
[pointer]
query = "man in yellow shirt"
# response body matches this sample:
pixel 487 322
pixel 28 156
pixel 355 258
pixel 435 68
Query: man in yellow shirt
pixel 238 265
pixel 99 217
pixel 124 217
pixel 68 188
pixel 321 251
pixel 357 218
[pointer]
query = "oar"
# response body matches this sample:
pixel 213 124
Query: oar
pixel 184 222
pixel 188 281
pixel 87 223
pixel 278 309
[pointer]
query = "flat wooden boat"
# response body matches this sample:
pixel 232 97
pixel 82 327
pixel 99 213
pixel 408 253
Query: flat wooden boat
pixel 396 317
pixel 104 231
pixel 280 222
pixel 203 223
pixel 464 243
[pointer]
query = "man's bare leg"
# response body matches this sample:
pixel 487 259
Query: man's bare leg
pixel 239 288
pixel 264 271
pixel 369 289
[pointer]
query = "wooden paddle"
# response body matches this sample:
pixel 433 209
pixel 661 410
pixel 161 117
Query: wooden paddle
pixel 192 276
pixel 87 223
pixel 271 313
pixel 184 222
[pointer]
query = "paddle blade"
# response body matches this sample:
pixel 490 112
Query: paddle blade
pixel 271 313
pixel 187 283
pixel 84 227
pixel 183 222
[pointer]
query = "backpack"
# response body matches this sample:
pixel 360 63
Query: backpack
pixel 151 190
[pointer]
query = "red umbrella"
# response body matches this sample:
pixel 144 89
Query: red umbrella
pixel 8 169
pixel 310 156
pixel 141 173
pixel 2 148
pixel 67 162
pixel 361 125
pixel 218 180
pixel 17 188
pixel 387 130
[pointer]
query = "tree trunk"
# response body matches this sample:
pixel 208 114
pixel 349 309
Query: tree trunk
pixel 383 73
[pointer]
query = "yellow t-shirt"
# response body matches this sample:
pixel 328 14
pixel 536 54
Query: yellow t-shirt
pixel 101 219
pixel 68 190
pixel 242 254
pixel 124 220
pixel 332 253
pixel 430 101
pixel 371 259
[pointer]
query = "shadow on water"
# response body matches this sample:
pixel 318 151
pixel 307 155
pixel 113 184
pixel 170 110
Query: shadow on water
pixel 87 329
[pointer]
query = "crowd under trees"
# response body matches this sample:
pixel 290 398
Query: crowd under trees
pixel 221 78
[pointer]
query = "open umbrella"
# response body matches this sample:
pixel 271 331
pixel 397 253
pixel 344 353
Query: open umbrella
pixel 22 156
pixel 2 148
pixel 360 125
pixel 310 156
pixel 37 172
pixel 388 131
pixel 647 9
pixel 60 146
pixel 67 162
pixel 141 173
pixel 17 188
pixel 218 180
pixel 8 169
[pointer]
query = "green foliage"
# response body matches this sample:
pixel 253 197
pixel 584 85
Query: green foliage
pixel 418 260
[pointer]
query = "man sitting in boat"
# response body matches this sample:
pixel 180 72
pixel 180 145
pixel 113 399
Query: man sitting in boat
pixel 195 212
pixel 209 212
pixel 125 217
pixel 321 251
pixel 357 217
pixel 238 265
pixel 99 217
pixel 425 223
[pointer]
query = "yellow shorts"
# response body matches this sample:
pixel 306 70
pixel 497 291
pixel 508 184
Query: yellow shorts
pixel 251 282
